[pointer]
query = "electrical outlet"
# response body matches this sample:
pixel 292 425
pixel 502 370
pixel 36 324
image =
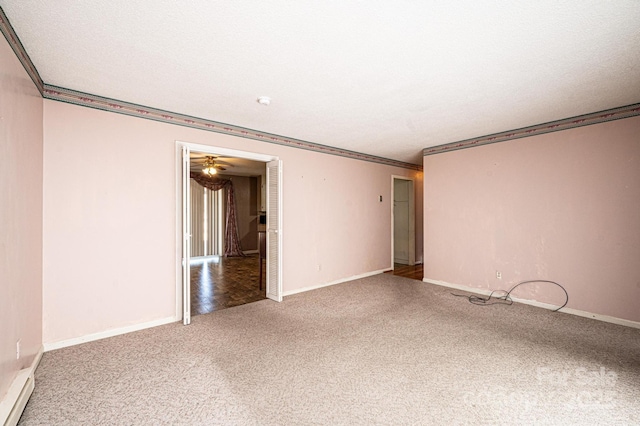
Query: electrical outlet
pixel 319 267
pixel 499 275
pixel 18 349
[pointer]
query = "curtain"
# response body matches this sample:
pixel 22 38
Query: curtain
pixel 232 241
pixel 215 225
pixel 232 245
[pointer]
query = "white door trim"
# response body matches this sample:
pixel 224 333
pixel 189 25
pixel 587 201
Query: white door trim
pixel 186 236
pixel 207 149
pixel 412 219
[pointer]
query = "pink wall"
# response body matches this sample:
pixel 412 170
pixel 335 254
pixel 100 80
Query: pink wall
pixel 562 206
pixel 20 217
pixel 110 217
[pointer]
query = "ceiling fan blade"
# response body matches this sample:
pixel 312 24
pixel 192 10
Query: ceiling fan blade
pixel 201 159
pixel 198 156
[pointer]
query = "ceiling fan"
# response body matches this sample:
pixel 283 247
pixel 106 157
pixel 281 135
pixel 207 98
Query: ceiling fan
pixel 210 164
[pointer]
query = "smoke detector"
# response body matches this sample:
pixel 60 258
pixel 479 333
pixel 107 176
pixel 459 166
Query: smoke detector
pixel 264 100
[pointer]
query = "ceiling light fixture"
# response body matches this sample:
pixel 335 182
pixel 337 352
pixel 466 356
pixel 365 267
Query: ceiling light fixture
pixel 264 100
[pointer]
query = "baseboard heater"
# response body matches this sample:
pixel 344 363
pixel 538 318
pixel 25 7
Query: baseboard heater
pixel 12 405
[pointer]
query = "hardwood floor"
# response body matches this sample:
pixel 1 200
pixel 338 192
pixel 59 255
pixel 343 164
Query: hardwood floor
pixel 414 272
pixel 233 281
pixel 228 282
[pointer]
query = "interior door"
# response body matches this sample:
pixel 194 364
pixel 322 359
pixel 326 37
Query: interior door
pixel 186 236
pixel 274 230
pixel 401 233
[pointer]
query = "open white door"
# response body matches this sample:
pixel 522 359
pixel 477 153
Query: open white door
pixel 186 236
pixel 274 230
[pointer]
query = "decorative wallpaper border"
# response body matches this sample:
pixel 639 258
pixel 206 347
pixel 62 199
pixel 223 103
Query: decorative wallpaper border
pixel 18 48
pixel 121 107
pixel 539 129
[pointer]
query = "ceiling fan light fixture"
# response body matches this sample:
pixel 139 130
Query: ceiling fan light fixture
pixel 209 171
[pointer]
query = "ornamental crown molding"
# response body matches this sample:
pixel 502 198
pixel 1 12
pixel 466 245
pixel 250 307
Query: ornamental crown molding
pixel 15 43
pixel 105 104
pixel 539 129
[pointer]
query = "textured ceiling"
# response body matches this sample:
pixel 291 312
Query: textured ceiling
pixel 386 78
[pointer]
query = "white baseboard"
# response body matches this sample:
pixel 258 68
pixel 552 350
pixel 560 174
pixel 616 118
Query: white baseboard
pixel 20 390
pixel 107 333
pixel 577 312
pixel 340 281
pixel 250 251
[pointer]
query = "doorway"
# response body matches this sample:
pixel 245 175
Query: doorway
pixel 222 278
pixel 184 226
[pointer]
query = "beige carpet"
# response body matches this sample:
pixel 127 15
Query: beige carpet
pixel 381 350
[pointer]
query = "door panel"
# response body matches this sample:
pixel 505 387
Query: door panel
pixel 274 230
pixel 401 232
